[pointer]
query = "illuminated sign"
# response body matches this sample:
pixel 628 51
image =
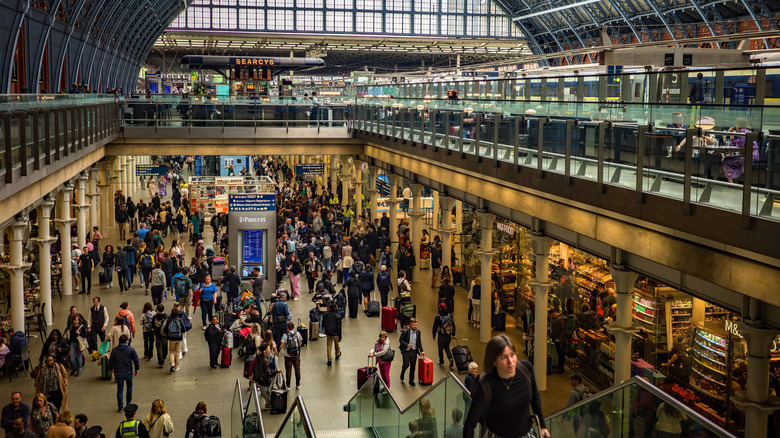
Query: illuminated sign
pixel 253 61
pixel 252 202
pixel 733 328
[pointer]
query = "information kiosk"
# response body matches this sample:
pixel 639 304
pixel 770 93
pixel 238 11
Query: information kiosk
pixel 252 236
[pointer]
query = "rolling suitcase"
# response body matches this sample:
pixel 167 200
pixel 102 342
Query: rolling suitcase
pixel 462 357
pixel 104 374
pixel 102 277
pixel 278 402
pixel 314 330
pixel 457 274
pixel 425 371
pixel 304 331
pixel 226 357
pixel 389 319
pixel 249 365
pixel 373 308
pixel 364 373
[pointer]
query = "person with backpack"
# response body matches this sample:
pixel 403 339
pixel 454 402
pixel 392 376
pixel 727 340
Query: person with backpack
pixel 174 331
pixel 198 423
pixel 127 317
pixel 146 263
pixel 148 330
pixel 447 295
pixel 384 284
pixel 291 343
pixel 132 262
pixel 182 289
pixel 280 315
pixel 444 326
pixel 159 321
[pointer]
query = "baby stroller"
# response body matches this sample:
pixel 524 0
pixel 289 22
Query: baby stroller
pixel 247 347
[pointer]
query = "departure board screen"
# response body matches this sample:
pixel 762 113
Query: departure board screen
pixel 253 246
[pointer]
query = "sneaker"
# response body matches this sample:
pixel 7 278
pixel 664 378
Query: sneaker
pixel 172 370
pixel 298 387
pixel 411 382
pixel 82 292
pixel 330 362
pixel 338 356
pixel 204 327
pixel 322 335
pixel 159 366
pixel 213 367
pixel 295 299
pixel 451 363
pixel 176 369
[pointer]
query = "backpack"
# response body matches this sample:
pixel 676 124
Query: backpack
pixel 583 395
pixel 175 329
pixel 447 325
pixel 383 281
pixel 293 345
pixel 407 309
pixel 250 349
pixel 198 426
pixel 476 292
pixel 193 271
pixel 148 322
pixel 180 287
pixel 126 322
pixel 571 324
pixel 158 322
pixel 215 426
pixel 147 262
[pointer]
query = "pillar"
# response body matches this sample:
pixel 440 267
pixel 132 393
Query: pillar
pixel 458 216
pixel 392 212
pixel 416 226
pixel 334 170
pixel 44 241
pixel 754 401
pixel 65 221
pixel 446 230
pixel 541 286
pixel 81 209
pixel 485 253
pixel 373 172
pixel 358 189
pixel 125 175
pixel 622 328
pixel 104 185
pixel 15 269
pixel 93 196
pixel 346 180
pixel 131 178
pixel 113 180
pixel 435 211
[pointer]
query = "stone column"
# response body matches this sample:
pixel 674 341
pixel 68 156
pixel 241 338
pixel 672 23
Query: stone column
pixel 541 285
pixel 113 179
pixel 65 221
pixel 485 253
pixel 104 185
pixel 93 196
pixel 131 178
pixel 334 171
pixel 358 189
pixel 754 400
pixel 446 230
pixel 15 269
pixel 44 241
pixel 125 175
pixel 416 226
pixel 346 180
pixel 81 209
pixel 458 216
pixel 622 327
pixel 373 171
pixel 435 211
pixel 393 231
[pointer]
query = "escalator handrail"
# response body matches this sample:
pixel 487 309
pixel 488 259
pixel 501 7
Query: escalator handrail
pixel 370 381
pixel 240 400
pixel 256 397
pixel 657 392
pixel 305 420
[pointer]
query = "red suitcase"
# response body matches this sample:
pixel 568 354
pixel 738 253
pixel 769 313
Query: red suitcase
pixel 227 357
pixel 425 371
pixel 389 319
pixel 364 373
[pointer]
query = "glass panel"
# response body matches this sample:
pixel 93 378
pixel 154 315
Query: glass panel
pixel 237 412
pixel 293 425
pixel 387 415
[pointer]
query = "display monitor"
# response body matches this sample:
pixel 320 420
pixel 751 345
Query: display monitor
pixel 246 270
pixel 252 247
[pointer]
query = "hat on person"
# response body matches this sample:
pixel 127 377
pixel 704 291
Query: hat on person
pixel 131 409
pixel 94 431
pixel 442 306
pixel 677 118
pixel 706 123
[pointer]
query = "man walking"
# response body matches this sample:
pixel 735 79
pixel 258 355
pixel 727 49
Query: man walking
pixel 291 343
pixel 174 331
pixel 411 346
pixel 98 320
pixel 331 326
pixel 124 364
pixel 214 334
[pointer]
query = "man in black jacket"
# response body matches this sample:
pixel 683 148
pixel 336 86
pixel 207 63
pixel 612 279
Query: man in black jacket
pixel 411 346
pixel 214 334
pixel 121 220
pixel 331 326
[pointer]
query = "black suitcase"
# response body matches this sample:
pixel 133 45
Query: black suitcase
pixel 374 308
pixel 278 402
pixel 102 277
pixel 462 357
pixel 499 322
pixel 304 331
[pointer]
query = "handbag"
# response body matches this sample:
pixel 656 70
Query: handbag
pixel 389 356
pixel 104 346
pixel 83 344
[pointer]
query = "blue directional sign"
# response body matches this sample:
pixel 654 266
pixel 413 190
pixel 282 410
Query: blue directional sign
pixel 251 202
pixel 310 169
pixel 150 170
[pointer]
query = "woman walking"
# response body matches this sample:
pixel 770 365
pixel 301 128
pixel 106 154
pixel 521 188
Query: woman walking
pixel 384 356
pixel 108 263
pixel 158 423
pixel 77 336
pixel 43 415
pixel 295 277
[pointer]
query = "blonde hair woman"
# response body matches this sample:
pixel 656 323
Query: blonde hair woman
pixel 384 356
pixel 158 422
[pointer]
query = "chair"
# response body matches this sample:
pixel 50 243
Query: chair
pixel 38 323
pixel 23 362
pixel 55 286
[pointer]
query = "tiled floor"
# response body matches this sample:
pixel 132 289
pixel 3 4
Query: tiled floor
pixel 324 389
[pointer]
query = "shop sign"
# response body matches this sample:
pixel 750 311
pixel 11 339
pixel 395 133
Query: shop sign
pixel 251 202
pixel 505 228
pixel 150 170
pixel 229 180
pixel 733 328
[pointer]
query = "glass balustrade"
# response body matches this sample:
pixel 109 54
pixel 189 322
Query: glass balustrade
pixel 297 423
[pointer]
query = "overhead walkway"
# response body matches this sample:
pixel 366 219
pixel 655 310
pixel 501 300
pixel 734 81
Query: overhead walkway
pixel 625 410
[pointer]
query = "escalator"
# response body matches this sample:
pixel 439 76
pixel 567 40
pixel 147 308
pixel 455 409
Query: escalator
pixel 631 409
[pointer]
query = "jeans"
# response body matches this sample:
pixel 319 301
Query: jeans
pixel 75 356
pixel 147 273
pixel 326 263
pixel 107 271
pixel 162 349
pixel 148 344
pixel 206 309
pixel 130 273
pixel 120 382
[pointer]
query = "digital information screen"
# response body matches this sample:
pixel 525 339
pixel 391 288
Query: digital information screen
pixel 253 247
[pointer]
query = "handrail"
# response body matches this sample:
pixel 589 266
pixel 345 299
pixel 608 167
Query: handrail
pixel 371 381
pixel 256 397
pixel 305 420
pixel 240 398
pixel 647 386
